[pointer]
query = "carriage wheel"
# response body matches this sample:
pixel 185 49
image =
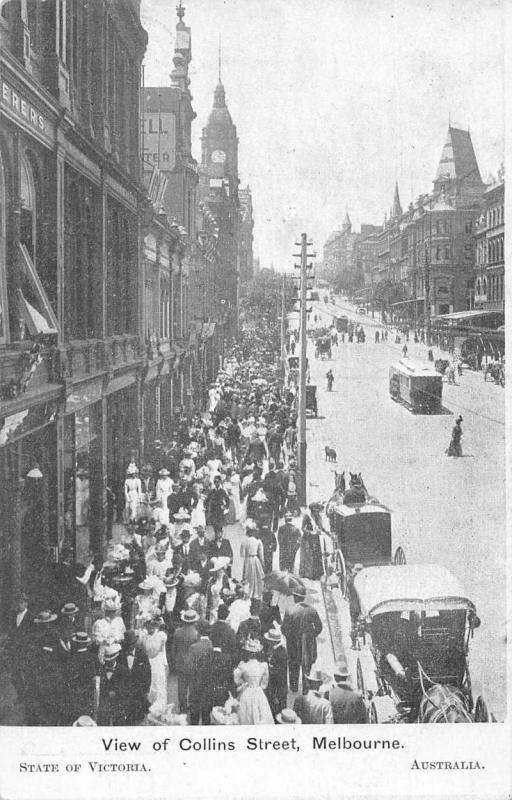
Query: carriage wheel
pixel 341 571
pixel 399 557
pixel 361 687
pixel 481 710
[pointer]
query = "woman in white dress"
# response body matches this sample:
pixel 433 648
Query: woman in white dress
pixel 216 584
pixel 251 550
pixel 251 679
pixel 163 489
pixel 154 644
pixel 240 608
pixel 132 493
pixel 198 517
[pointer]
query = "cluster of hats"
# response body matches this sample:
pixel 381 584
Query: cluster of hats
pixel 219 562
pixel 160 714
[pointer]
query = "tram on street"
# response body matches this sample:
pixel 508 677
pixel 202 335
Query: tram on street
pixel 417 386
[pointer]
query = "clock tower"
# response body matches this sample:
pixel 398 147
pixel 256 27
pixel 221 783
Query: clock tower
pixel 220 141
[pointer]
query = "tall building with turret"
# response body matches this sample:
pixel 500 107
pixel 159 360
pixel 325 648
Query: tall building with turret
pixel 219 192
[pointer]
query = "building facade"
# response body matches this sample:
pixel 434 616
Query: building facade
pixel 489 254
pixel 71 199
pixel 246 236
pixel 219 193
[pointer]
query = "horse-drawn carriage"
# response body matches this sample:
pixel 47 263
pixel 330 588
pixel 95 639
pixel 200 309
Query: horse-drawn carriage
pixel 361 530
pixel 323 347
pixel 412 633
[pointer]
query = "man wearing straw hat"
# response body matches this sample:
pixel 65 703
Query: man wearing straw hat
pixel 313 708
pixel 277 689
pixel 112 688
pixel 184 638
pixel 348 707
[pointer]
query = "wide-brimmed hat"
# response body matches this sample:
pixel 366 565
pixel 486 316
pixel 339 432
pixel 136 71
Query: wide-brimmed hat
pixel 288 717
pixel 132 469
pixel 119 553
pixel 81 637
pixel 164 472
pixel 189 616
pixel 341 673
pixel 192 580
pixel 111 651
pixel 69 610
pixel 171 581
pixel 151 582
pixel 84 722
pixel 273 635
pixel 45 616
pixel 147 468
pixel 317 676
pixel 219 562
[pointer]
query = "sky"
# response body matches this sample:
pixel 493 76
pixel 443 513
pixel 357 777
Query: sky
pixel 335 100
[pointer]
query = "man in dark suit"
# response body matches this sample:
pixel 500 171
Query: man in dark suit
pixel 199 556
pixel 114 689
pixel 220 546
pixel 198 698
pixel 268 613
pixel 187 498
pixel 288 537
pixel 301 626
pixel 135 658
pixel 216 674
pixel 277 658
pixel 348 707
pixel 19 642
pixel 184 638
pixel 223 636
pixel 182 551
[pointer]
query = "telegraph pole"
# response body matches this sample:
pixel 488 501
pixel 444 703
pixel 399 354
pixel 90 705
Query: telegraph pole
pixel 301 438
pixel 282 353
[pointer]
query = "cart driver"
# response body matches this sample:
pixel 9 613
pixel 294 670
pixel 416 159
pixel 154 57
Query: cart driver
pixel 403 644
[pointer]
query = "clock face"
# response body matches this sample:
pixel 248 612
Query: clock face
pixel 218 156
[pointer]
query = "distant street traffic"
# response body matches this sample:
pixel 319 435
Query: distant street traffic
pixel 445 511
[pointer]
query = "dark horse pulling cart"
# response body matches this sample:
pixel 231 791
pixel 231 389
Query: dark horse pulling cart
pixel 413 632
pixel 323 347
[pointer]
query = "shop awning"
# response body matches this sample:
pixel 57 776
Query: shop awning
pixel 462 315
pixel 405 302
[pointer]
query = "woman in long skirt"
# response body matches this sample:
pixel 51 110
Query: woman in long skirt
pixel 154 644
pixel 455 447
pixel 311 565
pixel 251 678
pixel 251 550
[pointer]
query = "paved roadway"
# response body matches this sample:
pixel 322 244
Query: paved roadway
pixel 445 510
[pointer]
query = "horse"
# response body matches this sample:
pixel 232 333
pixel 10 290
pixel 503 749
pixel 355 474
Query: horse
pixel 441 703
pixel 357 491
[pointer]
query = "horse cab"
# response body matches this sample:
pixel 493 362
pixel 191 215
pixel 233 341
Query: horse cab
pixel 413 631
pixel 416 385
pixel 361 529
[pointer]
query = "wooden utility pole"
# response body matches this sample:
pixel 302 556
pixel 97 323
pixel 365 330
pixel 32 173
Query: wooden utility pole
pixel 283 329
pixel 301 438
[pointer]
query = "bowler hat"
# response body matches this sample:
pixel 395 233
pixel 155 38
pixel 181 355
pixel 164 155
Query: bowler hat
pixel 81 637
pixel 273 635
pixel 316 676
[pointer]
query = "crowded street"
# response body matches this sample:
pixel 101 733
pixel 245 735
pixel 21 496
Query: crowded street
pixel 444 511
pixel 252 372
